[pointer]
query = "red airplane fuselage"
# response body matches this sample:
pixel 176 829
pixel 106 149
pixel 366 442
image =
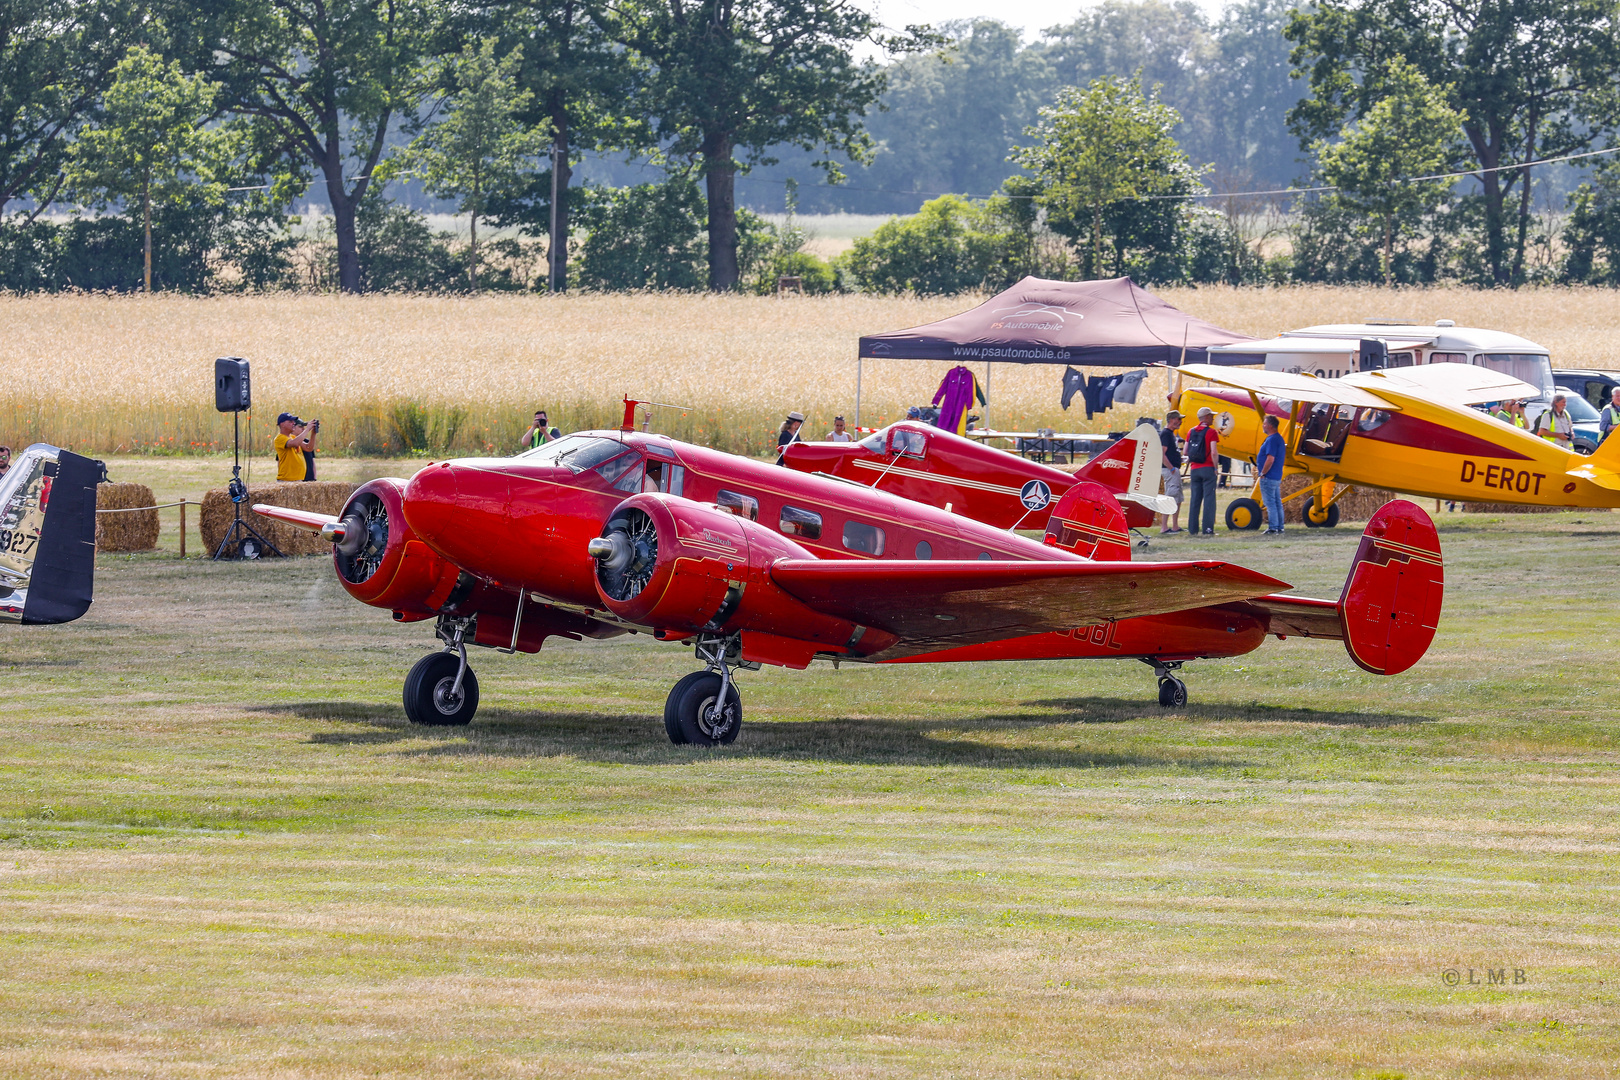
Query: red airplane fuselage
pixel 486 531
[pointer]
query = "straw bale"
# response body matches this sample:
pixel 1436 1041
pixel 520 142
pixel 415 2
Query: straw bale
pixel 320 496
pixel 1359 504
pixel 125 532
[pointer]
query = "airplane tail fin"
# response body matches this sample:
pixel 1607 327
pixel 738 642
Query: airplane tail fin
pixel 1089 522
pixel 48 536
pixel 1601 467
pixel 1390 606
pixel 1129 469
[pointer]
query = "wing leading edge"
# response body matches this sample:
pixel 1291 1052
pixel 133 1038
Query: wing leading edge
pixel 941 604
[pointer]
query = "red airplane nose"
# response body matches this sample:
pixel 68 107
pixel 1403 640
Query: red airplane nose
pixel 430 502
pixel 461 509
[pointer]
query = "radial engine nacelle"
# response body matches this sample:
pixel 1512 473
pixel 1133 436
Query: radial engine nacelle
pixel 379 559
pixel 689 568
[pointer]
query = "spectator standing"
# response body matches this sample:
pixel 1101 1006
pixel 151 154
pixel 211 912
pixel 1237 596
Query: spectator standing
pixel 1556 425
pixel 1201 443
pixel 1269 459
pixel 1516 415
pixel 1170 471
pixel 1609 418
pixel 786 434
pixel 293 437
pixel 309 451
pixel 540 432
pixel 838 434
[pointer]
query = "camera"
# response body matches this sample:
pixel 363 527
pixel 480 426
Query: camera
pixel 315 426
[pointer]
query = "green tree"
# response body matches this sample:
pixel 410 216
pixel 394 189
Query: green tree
pixel 581 81
pixel 643 237
pixel 951 245
pixel 1410 132
pixel 728 79
pixel 479 148
pixel 1103 147
pixel 326 79
pixel 1533 79
pixel 150 143
pixel 56 59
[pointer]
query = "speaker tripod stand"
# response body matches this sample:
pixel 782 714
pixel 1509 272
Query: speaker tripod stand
pixel 250 543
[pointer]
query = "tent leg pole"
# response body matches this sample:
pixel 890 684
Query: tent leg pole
pixel 857 393
pixel 986 395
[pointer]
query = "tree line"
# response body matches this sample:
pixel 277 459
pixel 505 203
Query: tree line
pixel 162 143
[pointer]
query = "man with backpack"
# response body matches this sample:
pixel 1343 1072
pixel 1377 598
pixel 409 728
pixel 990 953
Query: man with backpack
pixel 1201 443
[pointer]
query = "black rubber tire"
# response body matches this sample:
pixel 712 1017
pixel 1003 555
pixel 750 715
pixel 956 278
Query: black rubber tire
pixel 1172 693
pixel 1239 511
pixel 696 696
pixel 428 683
pixel 1332 515
pixel 672 716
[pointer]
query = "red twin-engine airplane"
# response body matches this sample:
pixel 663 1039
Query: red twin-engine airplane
pixel 607 532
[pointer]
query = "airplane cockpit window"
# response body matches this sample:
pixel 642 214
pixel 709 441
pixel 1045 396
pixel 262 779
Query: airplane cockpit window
pixel 859 536
pixel 631 474
pixel 578 452
pixel 908 443
pixel 873 443
pixel 1372 419
pixel 805 523
pixel 613 470
pixel 1326 430
pixel 733 502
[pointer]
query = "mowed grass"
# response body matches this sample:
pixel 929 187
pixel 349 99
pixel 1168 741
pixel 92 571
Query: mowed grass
pixel 227 854
pixel 135 374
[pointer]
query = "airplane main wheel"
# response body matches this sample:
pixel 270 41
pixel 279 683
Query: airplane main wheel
pixel 1242 514
pixel 692 711
pixel 1320 519
pixel 430 694
pixel 1172 692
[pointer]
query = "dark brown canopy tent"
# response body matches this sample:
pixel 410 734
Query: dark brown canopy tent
pixel 1112 323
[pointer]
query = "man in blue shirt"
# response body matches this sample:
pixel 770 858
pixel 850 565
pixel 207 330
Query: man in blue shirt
pixel 1269 460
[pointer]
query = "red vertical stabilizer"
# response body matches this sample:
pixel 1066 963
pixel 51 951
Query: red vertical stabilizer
pixel 1391 600
pixel 1089 522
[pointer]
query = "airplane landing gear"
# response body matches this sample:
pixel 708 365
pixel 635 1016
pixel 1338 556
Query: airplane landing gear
pixel 1172 691
pixel 441 690
pixel 704 708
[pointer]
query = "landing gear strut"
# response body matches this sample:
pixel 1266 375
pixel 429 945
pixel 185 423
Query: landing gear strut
pixel 441 689
pixel 704 708
pixel 1172 691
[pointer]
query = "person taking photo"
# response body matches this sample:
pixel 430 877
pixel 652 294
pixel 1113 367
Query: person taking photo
pixel 295 439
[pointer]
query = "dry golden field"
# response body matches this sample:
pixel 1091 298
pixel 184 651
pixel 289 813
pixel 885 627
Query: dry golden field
pixel 132 374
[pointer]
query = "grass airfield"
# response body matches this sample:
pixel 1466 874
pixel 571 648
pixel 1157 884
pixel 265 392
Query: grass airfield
pixel 226 853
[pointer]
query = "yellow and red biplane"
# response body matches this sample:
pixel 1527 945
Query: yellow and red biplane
pixel 1412 429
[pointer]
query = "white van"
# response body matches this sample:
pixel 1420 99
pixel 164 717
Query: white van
pixel 1330 352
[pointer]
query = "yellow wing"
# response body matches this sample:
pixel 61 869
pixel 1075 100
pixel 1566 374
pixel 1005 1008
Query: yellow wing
pixel 1290 387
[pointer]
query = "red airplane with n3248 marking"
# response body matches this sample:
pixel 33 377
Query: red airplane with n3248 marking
pixel 603 533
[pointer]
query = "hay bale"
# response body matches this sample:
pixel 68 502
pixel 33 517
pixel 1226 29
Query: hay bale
pixel 319 496
pixel 1359 504
pixel 136 531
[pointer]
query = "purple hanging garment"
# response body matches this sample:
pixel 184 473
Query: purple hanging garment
pixel 954 397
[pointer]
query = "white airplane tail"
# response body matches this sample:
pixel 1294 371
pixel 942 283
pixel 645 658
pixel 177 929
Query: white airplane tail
pixel 1129 469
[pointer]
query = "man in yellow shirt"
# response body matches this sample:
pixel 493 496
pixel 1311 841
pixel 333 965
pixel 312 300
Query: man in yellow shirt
pixel 294 438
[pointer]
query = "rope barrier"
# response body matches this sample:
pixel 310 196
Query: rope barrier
pixel 133 509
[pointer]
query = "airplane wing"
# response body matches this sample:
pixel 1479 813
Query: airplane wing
pixel 1291 387
pixel 1295 616
pixel 933 605
pixel 1460 384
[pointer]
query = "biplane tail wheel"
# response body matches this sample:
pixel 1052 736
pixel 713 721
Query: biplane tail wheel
pixel 1320 519
pixel 431 694
pixel 1242 515
pixel 695 713
pixel 1172 692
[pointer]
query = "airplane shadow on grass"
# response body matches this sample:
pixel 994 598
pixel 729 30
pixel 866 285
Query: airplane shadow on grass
pixel 1036 740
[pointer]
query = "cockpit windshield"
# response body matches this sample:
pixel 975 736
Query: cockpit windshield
pixel 578 452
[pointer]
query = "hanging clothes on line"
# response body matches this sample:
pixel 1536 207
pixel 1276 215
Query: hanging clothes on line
pixel 955 396
pixel 1130 384
pixel 1074 382
pixel 1094 389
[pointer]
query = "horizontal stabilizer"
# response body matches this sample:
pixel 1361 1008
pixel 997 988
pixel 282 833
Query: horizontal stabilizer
pixel 939 604
pixel 1602 467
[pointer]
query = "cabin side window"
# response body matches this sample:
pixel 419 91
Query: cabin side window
pixel 859 536
pixel 737 503
pixel 613 470
pixel 908 443
pixel 925 550
pixel 805 523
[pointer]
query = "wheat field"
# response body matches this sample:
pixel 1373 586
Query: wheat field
pixel 133 374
